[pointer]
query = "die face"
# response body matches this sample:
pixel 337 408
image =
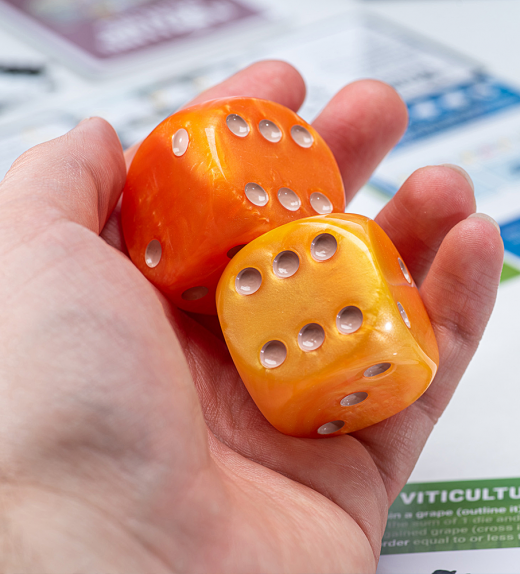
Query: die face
pixel 340 335
pixel 401 285
pixel 224 189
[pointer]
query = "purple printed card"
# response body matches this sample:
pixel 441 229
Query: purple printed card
pixel 107 30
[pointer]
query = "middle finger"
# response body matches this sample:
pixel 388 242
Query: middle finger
pixel 361 124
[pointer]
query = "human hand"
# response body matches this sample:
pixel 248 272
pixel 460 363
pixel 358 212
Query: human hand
pixel 128 441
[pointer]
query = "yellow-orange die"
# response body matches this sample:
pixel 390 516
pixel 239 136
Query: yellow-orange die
pixel 211 178
pixel 326 326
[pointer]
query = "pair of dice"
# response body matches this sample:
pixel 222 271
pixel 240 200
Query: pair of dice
pixel 236 207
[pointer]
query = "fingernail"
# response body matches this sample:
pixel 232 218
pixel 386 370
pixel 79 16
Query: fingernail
pixel 462 172
pixel 84 120
pixel 486 217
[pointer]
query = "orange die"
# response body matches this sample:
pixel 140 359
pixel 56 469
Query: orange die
pixel 326 326
pixel 211 178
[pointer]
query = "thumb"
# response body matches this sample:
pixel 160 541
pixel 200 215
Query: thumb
pixel 77 177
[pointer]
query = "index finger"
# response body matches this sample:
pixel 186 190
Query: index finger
pixel 78 177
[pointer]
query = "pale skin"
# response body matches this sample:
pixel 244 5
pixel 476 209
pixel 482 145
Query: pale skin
pixel 128 442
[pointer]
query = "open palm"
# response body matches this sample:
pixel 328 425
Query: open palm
pixel 128 442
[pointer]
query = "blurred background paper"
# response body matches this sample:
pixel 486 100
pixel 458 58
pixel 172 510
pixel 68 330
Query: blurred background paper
pixel 329 52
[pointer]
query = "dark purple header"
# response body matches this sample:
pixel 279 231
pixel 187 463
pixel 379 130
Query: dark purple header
pixel 106 30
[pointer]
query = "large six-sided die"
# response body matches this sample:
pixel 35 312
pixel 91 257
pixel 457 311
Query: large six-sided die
pixel 211 178
pixel 326 326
